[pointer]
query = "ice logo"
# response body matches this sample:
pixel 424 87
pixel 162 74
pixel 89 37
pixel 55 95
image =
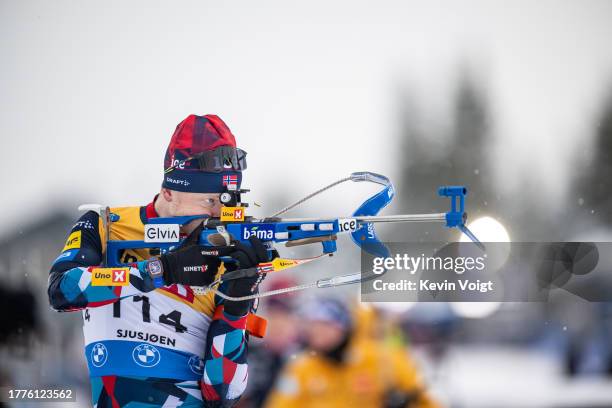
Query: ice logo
pixel 99 355
pixel 196 364
pixel 145 355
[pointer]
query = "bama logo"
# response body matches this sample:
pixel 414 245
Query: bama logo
pixel 110 276
pixel 261 231
pixel 161 233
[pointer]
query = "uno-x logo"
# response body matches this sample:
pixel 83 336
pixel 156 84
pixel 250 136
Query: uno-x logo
pixel 119 276
pixel 280 263
pixel 232 214
pixel 110 276
pixel 285 263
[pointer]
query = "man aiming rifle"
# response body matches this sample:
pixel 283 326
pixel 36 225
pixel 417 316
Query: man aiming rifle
pixel 149 339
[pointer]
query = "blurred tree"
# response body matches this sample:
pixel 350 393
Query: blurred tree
pixel 432 157
pixel 593 186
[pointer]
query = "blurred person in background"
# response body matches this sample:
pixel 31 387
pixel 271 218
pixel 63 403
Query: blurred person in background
pixel 18 319
pixel 345 365
pixel 266 359
pixel 20 327
pixel 149 339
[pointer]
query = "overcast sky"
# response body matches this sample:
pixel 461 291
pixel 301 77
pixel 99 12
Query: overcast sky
pixel 90 92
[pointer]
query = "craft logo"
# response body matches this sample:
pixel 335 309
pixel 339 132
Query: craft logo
pixel 110 276
pixel 161 233
pixel 232 213
pixel 230 180
pixel 261 231
pixel 73 241
pixel 347 224
pixel 85 224
pixel 177 181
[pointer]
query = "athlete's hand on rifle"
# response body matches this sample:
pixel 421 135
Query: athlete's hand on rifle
pixel 191 264
pixel 246 257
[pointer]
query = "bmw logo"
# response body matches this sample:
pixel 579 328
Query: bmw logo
pixel 196 364
pixel 99 355
pixel 145 355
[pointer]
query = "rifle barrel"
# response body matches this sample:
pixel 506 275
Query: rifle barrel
pixel 441 217
pixel 403 218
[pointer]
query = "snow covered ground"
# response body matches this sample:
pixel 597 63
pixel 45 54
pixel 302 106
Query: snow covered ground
pixel 510 377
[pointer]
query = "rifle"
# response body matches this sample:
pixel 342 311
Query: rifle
pixel 163 233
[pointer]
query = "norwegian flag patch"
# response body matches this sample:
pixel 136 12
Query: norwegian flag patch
pixel 265 267
pixel 230 180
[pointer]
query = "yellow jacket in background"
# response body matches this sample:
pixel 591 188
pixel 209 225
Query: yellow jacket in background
pixel 370 370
